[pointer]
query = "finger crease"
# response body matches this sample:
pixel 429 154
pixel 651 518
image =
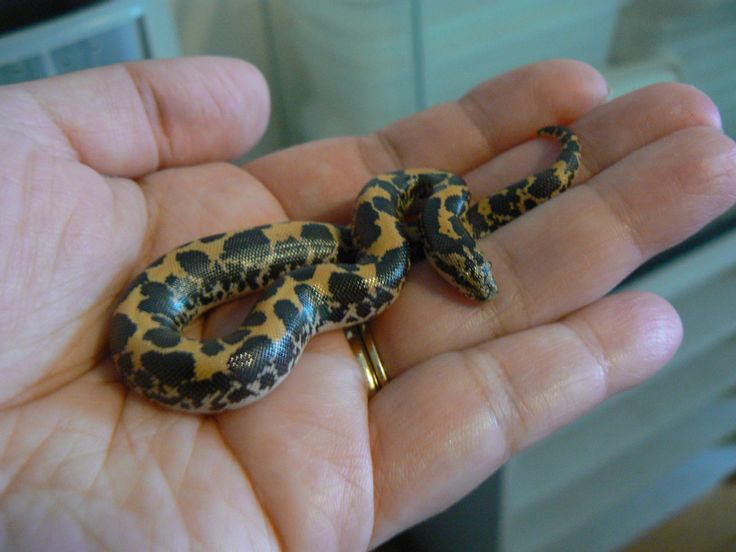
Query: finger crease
pixel 518 300
pixel 593 345
pixel 153 222
pixel 389 148
pixel 473 111
pixel 505 416
pixel 589 164
pixel 376 448
pixel 623 220
pixel 67 136
pixel 154 114
pixel 267 514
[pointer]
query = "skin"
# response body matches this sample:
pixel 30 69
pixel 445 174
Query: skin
pixel 103 171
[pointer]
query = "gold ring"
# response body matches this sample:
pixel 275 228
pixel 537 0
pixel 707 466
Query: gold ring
pixel 364 348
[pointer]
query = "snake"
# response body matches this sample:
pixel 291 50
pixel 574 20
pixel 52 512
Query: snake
pixel 313 277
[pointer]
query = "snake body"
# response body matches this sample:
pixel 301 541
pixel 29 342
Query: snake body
pixel 315 276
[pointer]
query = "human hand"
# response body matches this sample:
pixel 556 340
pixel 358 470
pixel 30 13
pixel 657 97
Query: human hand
pixel 105 170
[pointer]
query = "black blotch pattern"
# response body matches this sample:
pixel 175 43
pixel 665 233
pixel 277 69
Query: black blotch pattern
pixel 452 271
pixel 169 368
pixel 384 204
pixel 287 312
pixel 252 243
pixel 256 318
pixel 267 380
pixel 352 267
pixel 122 328
pixel 160 299
pixel 400 180
pixel 544 185
pixel 236 337
pixel 502 204
pixel 163 337
pixel 141 379
pixel 571 158
pixel 175 400
pixel 273 289
pixel 347 251
pixel 393 266
pixel 213 389
pixel 455 204
pixel 478 222
pixel 288 253
pixel 303 274
pixel 364 309
pixel 347 288
pixel 253 279
pixel 292 250
pixel 365 228
pixel 239 394
pixel 211 347
pixel 444 245
pixel 245 362
pixel 430 219
pixel 125 363
pixel 172 281
pixel 306 294
pixel 163 321
pixel 313 308
pixel 316 232
pixel 194 263
pixel 185 291
pixel 384 297
pixel 214 237
pixel 456 180
pixel 460 230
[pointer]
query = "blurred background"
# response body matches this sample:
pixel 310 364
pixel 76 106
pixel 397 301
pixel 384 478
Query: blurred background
pixel 651 469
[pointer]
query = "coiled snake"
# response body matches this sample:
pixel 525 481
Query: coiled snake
pixel 316 276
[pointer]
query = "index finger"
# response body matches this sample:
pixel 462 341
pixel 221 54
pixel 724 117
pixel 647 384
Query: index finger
pixel 320 180
pixel 129 120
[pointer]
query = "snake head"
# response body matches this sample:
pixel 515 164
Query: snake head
pixel 468 271
pixel 479 283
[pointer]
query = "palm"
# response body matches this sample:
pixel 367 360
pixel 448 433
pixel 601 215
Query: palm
pixel 314 465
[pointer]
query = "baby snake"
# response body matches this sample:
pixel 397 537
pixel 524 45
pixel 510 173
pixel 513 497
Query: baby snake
pixel 316 276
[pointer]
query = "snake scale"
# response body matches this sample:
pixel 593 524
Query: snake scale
pixel 315 276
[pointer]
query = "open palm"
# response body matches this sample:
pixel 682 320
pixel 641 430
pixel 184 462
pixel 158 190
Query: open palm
pixel 103 171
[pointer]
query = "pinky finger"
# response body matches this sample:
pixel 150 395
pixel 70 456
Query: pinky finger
pixel 444 426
